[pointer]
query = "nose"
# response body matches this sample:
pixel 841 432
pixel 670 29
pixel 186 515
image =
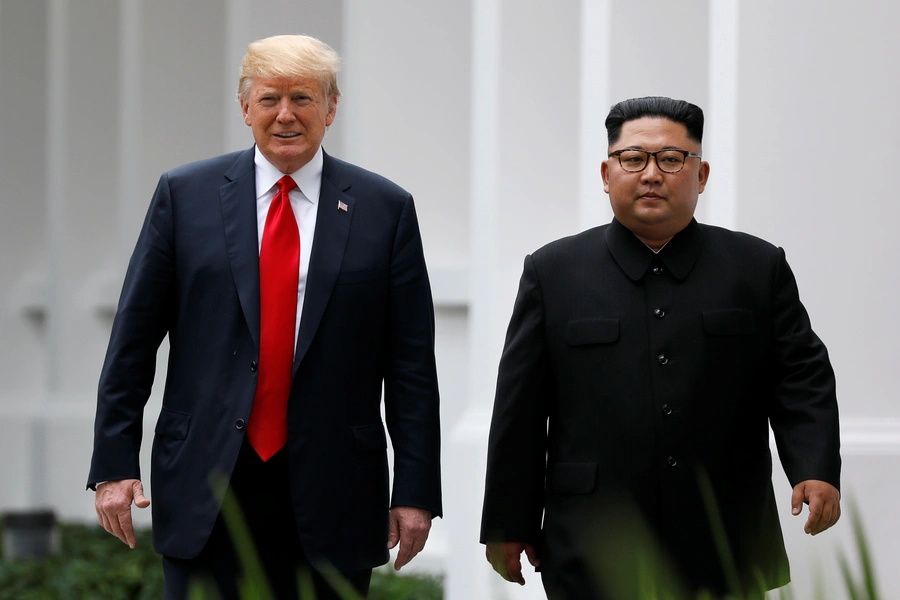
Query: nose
pixel 652 172
pixel 285 111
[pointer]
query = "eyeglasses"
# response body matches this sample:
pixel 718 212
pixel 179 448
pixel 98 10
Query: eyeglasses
pixel 670 160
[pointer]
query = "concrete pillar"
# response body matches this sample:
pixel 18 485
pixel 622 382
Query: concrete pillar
pixel 525 158
pixel 23 240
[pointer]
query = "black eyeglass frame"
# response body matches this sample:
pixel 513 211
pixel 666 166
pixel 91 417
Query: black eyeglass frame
pixel 687 154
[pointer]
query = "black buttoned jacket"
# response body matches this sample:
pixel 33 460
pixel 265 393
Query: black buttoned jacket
pixel 634 399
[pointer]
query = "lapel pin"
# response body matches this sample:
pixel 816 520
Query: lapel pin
pixel 342 206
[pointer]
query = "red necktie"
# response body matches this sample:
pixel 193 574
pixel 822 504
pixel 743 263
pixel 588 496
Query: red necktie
pixel 279 272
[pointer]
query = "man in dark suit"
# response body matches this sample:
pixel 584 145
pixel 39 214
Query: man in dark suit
pixel 643 365
pixel 292 287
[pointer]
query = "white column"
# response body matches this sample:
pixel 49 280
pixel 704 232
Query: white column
pixel 468 574
pixel 525 149
pixel 83 235
pixel 57 140
pixel 56 147
pixel 130 212
pixel 718 205
pixel 238 34
pixel 24 244
pixel 596 24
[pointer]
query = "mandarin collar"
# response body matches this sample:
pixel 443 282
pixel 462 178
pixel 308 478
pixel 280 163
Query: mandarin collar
pixel 634 257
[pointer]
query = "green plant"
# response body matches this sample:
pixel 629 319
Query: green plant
pixel 864 587
pixel 93 565
pixel 388 585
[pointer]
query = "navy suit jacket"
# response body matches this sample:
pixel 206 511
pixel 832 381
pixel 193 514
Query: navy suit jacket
pixel 367 322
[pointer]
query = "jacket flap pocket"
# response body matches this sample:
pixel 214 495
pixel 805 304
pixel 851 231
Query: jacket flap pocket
pixel 359 275
pixel 173 424
pixel 733 321
pixel 592 331
pixel 571 478
pixel 369 438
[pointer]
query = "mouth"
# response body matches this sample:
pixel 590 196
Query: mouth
pixel 287 135
pixel 650 196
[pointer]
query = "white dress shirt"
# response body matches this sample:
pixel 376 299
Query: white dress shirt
pixel 304 202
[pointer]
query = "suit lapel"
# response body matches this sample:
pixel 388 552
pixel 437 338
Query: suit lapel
pixel 238 198
pixel 332 231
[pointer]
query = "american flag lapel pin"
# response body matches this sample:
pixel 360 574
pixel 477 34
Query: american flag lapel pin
pixel 342 206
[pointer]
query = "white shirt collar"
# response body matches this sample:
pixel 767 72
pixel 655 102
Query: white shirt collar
pixel 308 177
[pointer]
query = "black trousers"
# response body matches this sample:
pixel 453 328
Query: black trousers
pixel 263 492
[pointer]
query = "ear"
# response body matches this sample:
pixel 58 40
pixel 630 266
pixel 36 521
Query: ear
pixel 332 111
pixel 604 173
pixel 703 176
pixel 245 109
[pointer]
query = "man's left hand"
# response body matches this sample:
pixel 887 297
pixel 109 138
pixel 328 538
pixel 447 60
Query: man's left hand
pixel 824 504
pixel 409 527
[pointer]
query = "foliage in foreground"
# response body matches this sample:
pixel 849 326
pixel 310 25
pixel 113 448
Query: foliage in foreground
pixel 94 565
pixel 91 565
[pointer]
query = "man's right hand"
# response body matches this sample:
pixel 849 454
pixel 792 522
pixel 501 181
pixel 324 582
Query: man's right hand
pixel 113 503
pixel 505 558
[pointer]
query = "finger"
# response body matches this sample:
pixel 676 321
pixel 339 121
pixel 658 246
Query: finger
pixel 797 498
pixel 829 517
pixel 412 541
pixel 815 515
pixel 127 529
pixel 115 528
pixel 140 500
pixel 394 532
pixel 420 537
pixel 405 554
pixel 531 553
pixel 104 522
pixel 514 569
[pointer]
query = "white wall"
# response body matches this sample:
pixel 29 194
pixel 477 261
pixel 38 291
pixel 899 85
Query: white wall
pixel 491 114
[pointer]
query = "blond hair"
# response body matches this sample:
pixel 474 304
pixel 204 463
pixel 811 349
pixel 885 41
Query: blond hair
pixel 291 56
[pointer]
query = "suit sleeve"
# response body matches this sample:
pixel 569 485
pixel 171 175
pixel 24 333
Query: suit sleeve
pixel 804 415
pixel 141 322
pixel 516 462
pixel 412 405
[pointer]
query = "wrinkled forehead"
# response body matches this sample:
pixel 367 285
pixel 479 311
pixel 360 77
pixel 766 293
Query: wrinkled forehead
pixel 654 133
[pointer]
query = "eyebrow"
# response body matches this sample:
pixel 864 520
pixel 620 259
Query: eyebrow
pixel 274 91
pixel 644 149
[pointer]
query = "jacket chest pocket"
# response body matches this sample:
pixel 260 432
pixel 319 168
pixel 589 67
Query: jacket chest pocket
pixel 734 321
pixel 584 332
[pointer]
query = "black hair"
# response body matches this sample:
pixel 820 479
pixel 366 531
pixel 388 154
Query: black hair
pixel 679 111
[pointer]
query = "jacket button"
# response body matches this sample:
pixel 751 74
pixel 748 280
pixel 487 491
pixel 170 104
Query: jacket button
pixel 662 359
pixel 672 461
pixel 239 424
pixel 657 270
pixel 659 313
pixel 667 410
pixel 253 366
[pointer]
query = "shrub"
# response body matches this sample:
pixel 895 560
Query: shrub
pixel 93 565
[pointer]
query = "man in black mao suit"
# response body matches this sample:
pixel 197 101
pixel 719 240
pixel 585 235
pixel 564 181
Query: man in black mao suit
pixel 644 363
pixel 360 316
